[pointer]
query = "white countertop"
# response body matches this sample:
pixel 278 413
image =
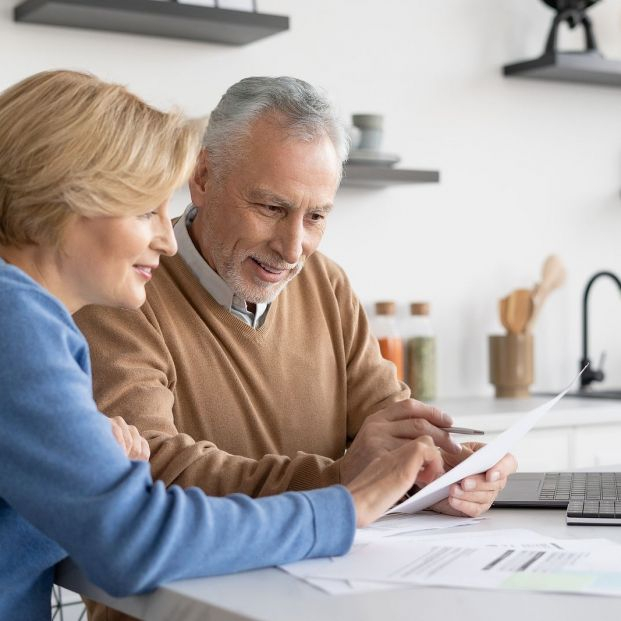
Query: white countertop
pixel 495 415
pixel 272 595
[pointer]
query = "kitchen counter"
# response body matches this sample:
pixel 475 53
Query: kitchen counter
pixel 576 433
pixel 495 415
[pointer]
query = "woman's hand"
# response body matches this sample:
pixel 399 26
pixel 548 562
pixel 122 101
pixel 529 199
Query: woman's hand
pixel 387 478
pixel 134 445
pixel 475 494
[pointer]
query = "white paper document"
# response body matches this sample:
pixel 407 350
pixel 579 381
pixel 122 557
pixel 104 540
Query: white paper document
pixel 347 587
pixel 480 461
pixel 337 586
pixel 529 562
pixel 397 526
pixel 406 525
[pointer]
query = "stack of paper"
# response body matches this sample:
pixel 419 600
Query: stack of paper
pixel 503 559
pixel 395 527
pixel 392 552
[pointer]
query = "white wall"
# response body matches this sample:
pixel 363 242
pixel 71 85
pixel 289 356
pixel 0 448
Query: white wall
pixel 528 168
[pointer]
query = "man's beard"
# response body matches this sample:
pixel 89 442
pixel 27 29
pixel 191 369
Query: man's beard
pixel 256 292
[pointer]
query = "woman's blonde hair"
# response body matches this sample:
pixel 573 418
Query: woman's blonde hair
pixel 71 144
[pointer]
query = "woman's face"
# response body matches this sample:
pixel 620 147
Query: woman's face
pixel 109 260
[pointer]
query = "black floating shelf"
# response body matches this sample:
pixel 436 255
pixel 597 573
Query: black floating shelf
pixel 380 176
pixel 586 67
pixel 154 18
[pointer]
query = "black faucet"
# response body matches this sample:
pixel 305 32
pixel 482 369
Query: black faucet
pixel 590 374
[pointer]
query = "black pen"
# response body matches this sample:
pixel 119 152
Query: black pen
pixel 463 431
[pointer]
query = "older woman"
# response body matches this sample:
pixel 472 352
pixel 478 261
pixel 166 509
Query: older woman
pixel 86 170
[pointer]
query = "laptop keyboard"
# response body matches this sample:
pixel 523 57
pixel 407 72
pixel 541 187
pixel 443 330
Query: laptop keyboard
pixel 592 497
pixel 594 512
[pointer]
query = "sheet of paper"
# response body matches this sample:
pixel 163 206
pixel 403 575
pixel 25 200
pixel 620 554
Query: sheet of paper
pixel 508 537
pixel 480 461
pixel 518 537
pixel 524 538
pixel 582 566
pixel 407 524
pixel 347 587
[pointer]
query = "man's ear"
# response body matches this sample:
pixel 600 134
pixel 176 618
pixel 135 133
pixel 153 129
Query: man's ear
pixel 198 180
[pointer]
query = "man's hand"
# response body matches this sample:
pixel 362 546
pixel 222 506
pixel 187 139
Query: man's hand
pixel 475 494
pixel 386 479
pixel 393 427
pixel 134 445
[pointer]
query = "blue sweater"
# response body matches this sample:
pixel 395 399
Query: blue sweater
pixel 66 487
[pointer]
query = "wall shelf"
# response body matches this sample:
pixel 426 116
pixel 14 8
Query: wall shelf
pixel 154 18
pixel 586 67
pixel 361 175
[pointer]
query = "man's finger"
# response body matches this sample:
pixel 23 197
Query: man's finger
pixel 410 408
pixel 483 497
pixel 474 446
pixel 471 509
pixel 413 428
pixel 506 466
pixel 445 508
pixel 479 483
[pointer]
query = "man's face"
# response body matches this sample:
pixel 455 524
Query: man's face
pixel 266 215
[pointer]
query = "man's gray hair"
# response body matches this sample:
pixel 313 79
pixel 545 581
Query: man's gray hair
pixel 306 111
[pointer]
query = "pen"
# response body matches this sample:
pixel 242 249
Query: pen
pixel 463 431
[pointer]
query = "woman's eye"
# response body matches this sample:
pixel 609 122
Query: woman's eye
pixel 148 215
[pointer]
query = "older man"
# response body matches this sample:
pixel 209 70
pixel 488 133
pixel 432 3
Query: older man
pixel 251 366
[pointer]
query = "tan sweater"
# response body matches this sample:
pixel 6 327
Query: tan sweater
pixel 233 409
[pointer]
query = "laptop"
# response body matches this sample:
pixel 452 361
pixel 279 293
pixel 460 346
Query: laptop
pixel 536 489
pixel 589 497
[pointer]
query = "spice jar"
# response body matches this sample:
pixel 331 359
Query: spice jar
pixel 387 333
pixel 421 353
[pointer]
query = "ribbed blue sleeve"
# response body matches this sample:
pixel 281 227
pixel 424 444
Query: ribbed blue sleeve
pixel 62 471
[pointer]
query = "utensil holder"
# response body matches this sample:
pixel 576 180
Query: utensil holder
pixel 511 366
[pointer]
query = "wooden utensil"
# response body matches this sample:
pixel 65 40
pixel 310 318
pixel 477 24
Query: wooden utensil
pixel 518 311
pixel 503 304
pixel 553 276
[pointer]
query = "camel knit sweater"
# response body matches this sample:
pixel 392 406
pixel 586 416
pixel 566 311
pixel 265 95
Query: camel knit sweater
pixel 230 408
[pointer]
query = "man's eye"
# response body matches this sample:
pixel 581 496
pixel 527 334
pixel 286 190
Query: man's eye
pixel 317 217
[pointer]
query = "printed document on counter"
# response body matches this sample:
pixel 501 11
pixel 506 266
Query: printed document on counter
pixel 482 561
pixel 336 586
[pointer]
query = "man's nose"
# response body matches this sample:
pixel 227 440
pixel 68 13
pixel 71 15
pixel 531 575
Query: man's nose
pixel 289 242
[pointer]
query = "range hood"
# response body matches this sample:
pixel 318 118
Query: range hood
pixel 588 66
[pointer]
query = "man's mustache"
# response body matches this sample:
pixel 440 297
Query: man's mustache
pixel 277 263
